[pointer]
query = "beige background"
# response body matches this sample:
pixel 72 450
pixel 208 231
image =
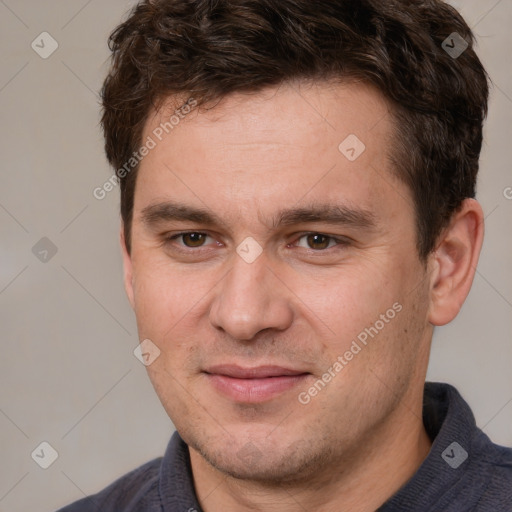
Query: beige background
pixel 68 374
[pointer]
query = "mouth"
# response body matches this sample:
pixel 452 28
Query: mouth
pixel 254 385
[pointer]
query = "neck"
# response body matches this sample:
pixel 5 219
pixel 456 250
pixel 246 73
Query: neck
pixel 361 483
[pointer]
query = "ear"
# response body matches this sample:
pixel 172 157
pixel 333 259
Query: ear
pixel 127 268
pixel 454 262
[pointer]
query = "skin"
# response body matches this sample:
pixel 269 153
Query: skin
pixel 300 304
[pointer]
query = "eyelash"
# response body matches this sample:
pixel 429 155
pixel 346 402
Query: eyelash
pixel 340 242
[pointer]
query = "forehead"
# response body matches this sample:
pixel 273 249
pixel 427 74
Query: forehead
pixel 252 153
pixel 332 106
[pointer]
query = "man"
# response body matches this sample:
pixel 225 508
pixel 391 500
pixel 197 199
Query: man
pixel 297 195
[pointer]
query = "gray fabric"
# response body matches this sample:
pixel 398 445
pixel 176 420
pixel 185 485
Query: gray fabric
pixel 447 481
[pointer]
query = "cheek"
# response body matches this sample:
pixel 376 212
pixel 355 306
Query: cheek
pixel 401 337
pixel 356 299
pixel 376 310
pixel 161 297
pixel 170 307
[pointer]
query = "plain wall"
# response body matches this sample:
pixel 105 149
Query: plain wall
pixel 68 373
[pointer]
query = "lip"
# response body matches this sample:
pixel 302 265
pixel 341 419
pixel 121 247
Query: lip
pixel 253 385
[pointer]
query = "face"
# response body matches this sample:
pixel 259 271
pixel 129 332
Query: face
pixel 274 266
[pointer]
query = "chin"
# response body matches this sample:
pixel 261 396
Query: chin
pixel 269 463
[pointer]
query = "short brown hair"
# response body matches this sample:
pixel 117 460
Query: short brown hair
pixel 211 48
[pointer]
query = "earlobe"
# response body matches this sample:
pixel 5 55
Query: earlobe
pixel 454 262
pixel 127 269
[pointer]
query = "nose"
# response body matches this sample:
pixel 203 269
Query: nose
pixel 252 297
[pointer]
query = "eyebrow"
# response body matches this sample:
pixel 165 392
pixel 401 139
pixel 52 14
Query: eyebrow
pixel 334 214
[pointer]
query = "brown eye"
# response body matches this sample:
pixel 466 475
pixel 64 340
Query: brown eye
pixel 193 239
pixel 318 241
